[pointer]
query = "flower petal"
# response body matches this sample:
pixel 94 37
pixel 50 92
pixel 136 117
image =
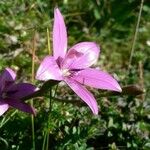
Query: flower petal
pixel 8 76
pixel 48 70
pixel 59 35
pixel 21 105
pixel 20 90
pixel 84 94
pixel 3 107
pixel 82 55
pixel 97 79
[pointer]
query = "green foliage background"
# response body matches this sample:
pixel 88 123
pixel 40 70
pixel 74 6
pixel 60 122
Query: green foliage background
pixel 123 121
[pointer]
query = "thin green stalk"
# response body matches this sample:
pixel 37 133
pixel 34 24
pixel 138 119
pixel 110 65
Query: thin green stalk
pixel 32 80
pixel 44 141
pixel 135 35
pixel 50 102
pixel 48 42
pixel 50 109
pixel 45 145
pixel 33 130
pixel 47 141
pixel 4 142
pixel 4 121
pixel 46 134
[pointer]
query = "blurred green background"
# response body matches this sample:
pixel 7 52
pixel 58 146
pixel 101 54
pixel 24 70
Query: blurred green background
pixel 123 122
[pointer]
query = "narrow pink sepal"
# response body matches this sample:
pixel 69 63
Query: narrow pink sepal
pixel 48 70
pixel 82 55
pixel 59 35
pixel 97 79
pixel 84 94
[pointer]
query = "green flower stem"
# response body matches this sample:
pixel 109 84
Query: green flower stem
pixel 135 35
pixel 44 141
pixel 32 80
pixel 50 109
pixel 4 121
pixel 46 134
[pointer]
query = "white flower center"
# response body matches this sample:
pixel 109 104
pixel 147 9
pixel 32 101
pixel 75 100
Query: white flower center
pixel 65 72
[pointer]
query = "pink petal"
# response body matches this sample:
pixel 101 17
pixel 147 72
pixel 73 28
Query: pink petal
pixel 3 107
pixel 59 35
pixel 97 79
pixel 48 70
pixel 20 90
pixel 82 55
pixel 20 105
pixel 84 94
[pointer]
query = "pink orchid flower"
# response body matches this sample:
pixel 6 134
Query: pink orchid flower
pixel 12 93
pixel 73 66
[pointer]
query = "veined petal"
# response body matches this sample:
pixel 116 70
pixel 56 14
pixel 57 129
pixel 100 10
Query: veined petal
pixel 82 55
pixel 3 107
pixel 83 93
pixel 20 90
pixel 20 105
pixel 97 79
pixel 59 35
pixel 48 70
pixel 7 76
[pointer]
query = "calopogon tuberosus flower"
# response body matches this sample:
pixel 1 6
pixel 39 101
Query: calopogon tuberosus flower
pixel 11 93
pixel 73 67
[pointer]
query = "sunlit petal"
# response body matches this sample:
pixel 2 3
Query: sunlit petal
pixel 84 94
pixel 59 35
pixel 82 55
pixel 97 79
pixel 48 70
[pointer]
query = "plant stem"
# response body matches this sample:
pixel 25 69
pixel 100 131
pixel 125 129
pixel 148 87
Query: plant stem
pixel 33 130
pixel 50 109
pixel 44 141
pixel 47 142
pixel 32 80
pixel 4 121
pixel 46 134
pixel 48 42
pixel 4 141
pixel 135 35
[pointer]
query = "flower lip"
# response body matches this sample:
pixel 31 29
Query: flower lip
pixel 69 72
pixel 65 72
